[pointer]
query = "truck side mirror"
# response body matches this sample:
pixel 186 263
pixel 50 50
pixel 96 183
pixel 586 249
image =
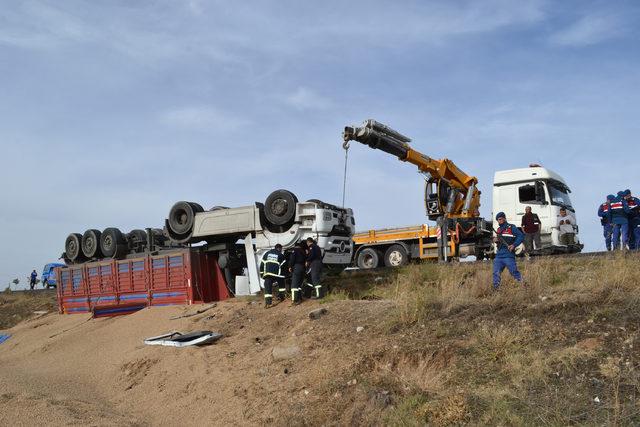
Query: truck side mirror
pixel 540 196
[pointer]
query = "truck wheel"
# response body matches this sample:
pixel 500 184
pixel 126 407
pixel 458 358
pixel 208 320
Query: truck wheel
pixel 280 207
pixel 73 247
pixel 368 258
pixel 396 256
pixel 182 217
pixel 91 244
pixel 137 237
pixel 113 243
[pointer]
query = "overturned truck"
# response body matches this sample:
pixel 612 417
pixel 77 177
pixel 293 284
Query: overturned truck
pixel 231 238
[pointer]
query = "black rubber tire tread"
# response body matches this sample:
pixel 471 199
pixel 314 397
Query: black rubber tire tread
pixel 73 247
pixel 91 243
pixel 196 207
pixel 368 252
pixel 112 243
pixel 396 248
pixel 182 217
pixel 139 235
pixel 280 207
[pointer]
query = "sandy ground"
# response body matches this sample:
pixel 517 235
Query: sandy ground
pixel 71 369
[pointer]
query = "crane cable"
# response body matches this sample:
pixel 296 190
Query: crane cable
pixel 345 145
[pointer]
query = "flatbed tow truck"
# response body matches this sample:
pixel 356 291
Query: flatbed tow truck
pixel 452 200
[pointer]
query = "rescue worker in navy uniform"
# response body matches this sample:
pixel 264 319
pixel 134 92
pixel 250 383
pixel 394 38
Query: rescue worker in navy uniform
pixel 508 237
pixel 619 211
pixel 605 219
pixel 633 203
pixel 297 261
pixel 271 271
pixel 314 264
pixel 33 278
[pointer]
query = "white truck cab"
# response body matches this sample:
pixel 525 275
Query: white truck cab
pixel 542 189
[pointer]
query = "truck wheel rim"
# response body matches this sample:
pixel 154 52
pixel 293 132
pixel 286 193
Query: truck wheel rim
pixel 395 258
pixel 279 207
pixel 368 261
pixel 73 249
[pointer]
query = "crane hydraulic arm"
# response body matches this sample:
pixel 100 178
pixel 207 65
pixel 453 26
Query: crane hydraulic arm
pixel 449 193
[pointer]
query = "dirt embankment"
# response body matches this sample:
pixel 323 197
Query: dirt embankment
pixel 73 369
pixel 430 345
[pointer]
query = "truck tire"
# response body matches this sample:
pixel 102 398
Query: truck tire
pixel 73 247
pixel 91 244
pixel 137 240
pixel 280 207
pixel 113 243
pixel 182 217
pixel 137 236
pixel 396 256
pixel 368 258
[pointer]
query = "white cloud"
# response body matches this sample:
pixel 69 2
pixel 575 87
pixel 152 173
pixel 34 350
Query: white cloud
pixel 202 118
pixel 165 31
pixel 589 30
pixel 306 99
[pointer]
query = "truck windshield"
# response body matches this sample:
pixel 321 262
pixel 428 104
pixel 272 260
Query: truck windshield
pixel 559 194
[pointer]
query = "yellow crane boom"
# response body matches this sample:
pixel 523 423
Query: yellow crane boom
pixel 450 192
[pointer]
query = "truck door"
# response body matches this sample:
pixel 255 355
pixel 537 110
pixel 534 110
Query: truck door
pixel 504 200
pixel 533 194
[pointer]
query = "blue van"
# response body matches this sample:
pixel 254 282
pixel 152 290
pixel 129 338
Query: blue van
pixel 49 276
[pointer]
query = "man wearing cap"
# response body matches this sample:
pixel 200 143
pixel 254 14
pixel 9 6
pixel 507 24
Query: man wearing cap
pixel 508 237
pixel 633 203
pixel 605 219
pixel 619 211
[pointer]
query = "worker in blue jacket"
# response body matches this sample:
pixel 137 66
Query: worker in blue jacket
pixel 314 264
pixel 619 212
pixel 508 237
pixel 605 219
pixel 297 261
pixel 633 203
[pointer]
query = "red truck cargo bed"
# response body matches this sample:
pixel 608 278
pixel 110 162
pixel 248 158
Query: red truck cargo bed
pixel 113 287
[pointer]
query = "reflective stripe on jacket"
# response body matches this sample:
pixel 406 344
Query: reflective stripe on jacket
pixel 271 264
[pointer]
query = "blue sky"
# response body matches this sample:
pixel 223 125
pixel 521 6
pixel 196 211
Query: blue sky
pixel 111 111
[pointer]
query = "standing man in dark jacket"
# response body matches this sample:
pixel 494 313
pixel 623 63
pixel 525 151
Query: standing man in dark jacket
pixel 605 220
pixel 271 271
pixel 619 212
pixel 531 225
pixel 314 264
pixel 33 278
pixel 633 203
pixel 508 238
pixel 297 260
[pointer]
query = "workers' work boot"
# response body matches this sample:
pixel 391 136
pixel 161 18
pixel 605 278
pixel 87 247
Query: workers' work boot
pixel 307 290
pixel 296 296
pixel 281 294
pixel 268 300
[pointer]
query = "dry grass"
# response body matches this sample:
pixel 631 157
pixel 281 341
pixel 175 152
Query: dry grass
pixel 556 351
